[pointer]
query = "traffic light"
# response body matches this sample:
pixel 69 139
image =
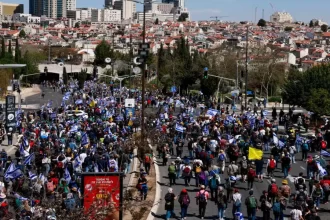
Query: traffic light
pixel 206 72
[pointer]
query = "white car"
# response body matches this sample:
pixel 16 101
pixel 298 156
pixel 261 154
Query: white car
pixel 78 113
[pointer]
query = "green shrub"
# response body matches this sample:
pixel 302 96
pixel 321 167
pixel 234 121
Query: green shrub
pixel 274 99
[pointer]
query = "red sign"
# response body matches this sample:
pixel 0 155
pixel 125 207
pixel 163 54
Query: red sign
pixel 102 192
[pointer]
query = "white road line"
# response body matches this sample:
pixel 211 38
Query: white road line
pixel 303 168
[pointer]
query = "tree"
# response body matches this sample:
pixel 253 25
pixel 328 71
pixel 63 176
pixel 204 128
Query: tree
pixel 77 25
pixel 3 48
pixel 82 76
pixel 262 23
pixel 17 52
pixel 317 23
pixel 102 51
pixel 65 76
pixel 288 29
pixel 324 28
pixel 319 102
pixel 10 52
pixel 311 23
pixel 22 34
pixel 303 24
pixel 157 21
pixel 183 17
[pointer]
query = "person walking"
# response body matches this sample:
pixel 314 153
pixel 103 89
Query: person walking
pixel 184 201
pixel 171 173
pixel 237 202
pixel 169 203
pixel 271 164
pixel 244 168
pixel 252 206
pixel 214 184
pixel 201 200
pixel 221 201
pixel 186 173
pixel 317 194
pixel 250 178
pixel 147 162
pixel 266 205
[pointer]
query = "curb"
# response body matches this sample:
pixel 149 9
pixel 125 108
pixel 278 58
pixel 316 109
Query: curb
pixel 156 203
pixel 133 169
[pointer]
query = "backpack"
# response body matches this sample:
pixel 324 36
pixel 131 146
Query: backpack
pixel 251 174
pixel 326 187
pixel 317 192
pixel 171 169
pixel 221 199
pixel 301 197
pixel 69 204
pixel 202 197
pixel 213 183
pixel 244 164
pixel 221 157
pixel 186 171
pixel 268 205
pixel 323 145
pixel 185 200
pixel 198 169
pixel 272 164
pixel 168 198
pixel 277 207
pixel 274 189
pixel 50 186
pixel 305 146
pixel 147 159
pixel 60 164
pixel 252 202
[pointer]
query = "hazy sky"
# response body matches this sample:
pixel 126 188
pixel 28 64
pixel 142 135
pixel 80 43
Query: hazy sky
pixel 237 10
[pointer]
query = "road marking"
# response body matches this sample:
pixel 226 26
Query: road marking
pixel 269 181
pixel 291 178
pixel 303 168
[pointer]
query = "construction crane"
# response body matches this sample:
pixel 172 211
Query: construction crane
pixel 217 17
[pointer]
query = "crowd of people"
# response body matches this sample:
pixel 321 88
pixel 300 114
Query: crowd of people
pixel 213 153
pixel 88 132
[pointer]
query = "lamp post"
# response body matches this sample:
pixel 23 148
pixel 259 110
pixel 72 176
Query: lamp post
pixel 246 65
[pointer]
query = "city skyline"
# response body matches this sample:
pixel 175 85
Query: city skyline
pixel 202 10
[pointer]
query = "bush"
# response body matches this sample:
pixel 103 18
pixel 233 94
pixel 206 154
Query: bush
pixel 274 99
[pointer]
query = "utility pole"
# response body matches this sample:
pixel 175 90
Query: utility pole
pixel 113 49
pixel 48 50
pixel 143 75
pixel 246 64
pixel 130 58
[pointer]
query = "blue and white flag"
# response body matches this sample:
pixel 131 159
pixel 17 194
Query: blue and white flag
pixel 13 172
pixel 32 175
pixel 281 144
pixel 275 139
pixel 232 141
pixel 74 128
pixel 265 112
pixel 77 162
pixel 325 153
pixel 79 102
pixel 42 178
pixel 49 104
pixel 212 112
pixel 84 139
pixel 28 159
pixel 22 150
pixel 179 128
pixel 206 130
pixel 66 98
pixel 18 196
pixel 322 171
pixel 67 175
pixel 298 139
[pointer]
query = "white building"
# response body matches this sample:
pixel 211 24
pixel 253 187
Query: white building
pixel 319 22
pixel 26 18
pixel 127 8
pixel 281 17
pixel 105 15
pixel 85 13
pixel 71 5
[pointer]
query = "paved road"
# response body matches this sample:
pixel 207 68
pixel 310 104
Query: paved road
pixel 211 212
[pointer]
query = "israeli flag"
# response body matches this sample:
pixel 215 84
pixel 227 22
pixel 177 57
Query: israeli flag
pixel 212 112
pixel 179 128
pixel 206 130
pixel 230 118
pixel 66 98
pixel 32 175
pixel 49 104
pixel 275 139
pixel 298 140
pixel 42 178
pixel 28 159
pixel 281 144
pixel 325 153
pixel 84 139
pixel 18 196
pixel 77 162
pixel 67 94
pixel 232 141
pixel 67 175
pixel 74 128
pixel 22 150
pixel 322 171
pixel 13 172
pixel 265 112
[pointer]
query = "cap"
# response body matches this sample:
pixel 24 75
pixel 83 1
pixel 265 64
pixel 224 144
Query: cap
pixel 184 191
pixel 285 182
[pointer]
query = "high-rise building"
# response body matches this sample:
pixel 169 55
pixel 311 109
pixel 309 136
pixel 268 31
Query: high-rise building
pixel 71 5
pixel 175 2
pixel 55 8
pixel 127 8
pixel 36 7
pixel 281 17
pixel 10 9
pixel 108 4
pixel 105 15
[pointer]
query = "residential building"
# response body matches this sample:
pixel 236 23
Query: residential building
pixel 71 5
pixel 164 8
pixel 26 18
pixel 127 8
pixel 281 17
pixel 86 13
pixel 10 9
pixel 73 14
pixel 105 15
pixel 36 7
